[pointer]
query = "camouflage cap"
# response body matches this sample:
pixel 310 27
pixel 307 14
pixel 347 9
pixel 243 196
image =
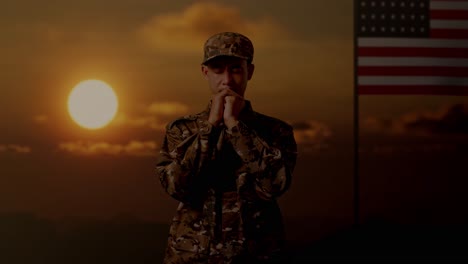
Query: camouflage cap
pixel 228 44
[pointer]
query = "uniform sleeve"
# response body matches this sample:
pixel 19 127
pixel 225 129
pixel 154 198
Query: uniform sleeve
pixel 267 168
pixel 182 160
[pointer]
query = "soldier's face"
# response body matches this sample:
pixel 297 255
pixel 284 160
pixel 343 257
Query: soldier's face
pixel 228 72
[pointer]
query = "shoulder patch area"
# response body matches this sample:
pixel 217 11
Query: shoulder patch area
pixel 182 120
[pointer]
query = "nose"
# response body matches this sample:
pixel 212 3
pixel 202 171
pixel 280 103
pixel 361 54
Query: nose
pixel 227 77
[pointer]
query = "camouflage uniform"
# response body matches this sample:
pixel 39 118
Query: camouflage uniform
pixel 227 180
pixel 227 183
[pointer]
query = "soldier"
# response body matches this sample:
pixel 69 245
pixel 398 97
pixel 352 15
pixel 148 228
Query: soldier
pixel 226 166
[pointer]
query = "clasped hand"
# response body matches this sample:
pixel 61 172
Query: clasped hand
pixel 226 106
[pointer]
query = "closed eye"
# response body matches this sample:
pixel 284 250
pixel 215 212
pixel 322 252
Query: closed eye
pixel 236 68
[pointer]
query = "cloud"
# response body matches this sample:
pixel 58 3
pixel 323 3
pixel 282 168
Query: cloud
pixel 312 134
pixel 442 131
pixel 187 30
pixel 41 119
pixel 13 148
pixel 167 108
pixel 449 120
pixel 375 125
pixel 421 148
pixel 133 148
pixel 154 116
pixel 138 121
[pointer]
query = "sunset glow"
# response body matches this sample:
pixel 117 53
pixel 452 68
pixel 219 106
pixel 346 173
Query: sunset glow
pixel 92 91
pixel 92 104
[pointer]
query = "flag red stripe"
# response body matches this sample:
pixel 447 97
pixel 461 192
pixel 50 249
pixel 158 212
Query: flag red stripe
pixel 413 52
pixel 449 14
pixel 412 71
pixel 449 33
pixel 412 89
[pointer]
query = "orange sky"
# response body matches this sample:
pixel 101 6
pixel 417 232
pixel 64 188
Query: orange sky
pixel 150 53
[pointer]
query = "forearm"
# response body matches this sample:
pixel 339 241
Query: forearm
pixel 267 168
pixel 181 162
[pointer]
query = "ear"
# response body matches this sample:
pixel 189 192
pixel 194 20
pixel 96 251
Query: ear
pixel 250 71
pixel 204 70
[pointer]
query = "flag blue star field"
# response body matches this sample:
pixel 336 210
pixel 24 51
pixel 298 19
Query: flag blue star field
pixel 411 47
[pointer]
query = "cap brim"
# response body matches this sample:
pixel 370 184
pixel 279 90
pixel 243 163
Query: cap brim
pixel 225 55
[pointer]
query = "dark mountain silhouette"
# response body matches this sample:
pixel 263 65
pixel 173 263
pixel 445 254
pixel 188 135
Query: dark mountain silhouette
pixel 25 238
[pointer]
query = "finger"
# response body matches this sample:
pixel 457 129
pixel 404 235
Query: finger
pixel 229 98
pixel 228 91
pixel 235 95
pixel 231 92
pixel 220 96
pixel 223 93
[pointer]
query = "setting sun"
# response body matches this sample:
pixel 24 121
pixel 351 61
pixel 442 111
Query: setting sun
pixel 92 104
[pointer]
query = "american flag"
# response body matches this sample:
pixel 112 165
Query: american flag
pixel 411 47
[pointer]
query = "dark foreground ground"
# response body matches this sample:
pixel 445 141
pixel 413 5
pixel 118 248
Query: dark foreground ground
pixel 25 239
pixel 389 242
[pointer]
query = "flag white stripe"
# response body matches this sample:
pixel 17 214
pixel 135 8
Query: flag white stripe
pixel 410 61
pixel 417 80
pixel 449 24
pixel 448 5
pixel 415 42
